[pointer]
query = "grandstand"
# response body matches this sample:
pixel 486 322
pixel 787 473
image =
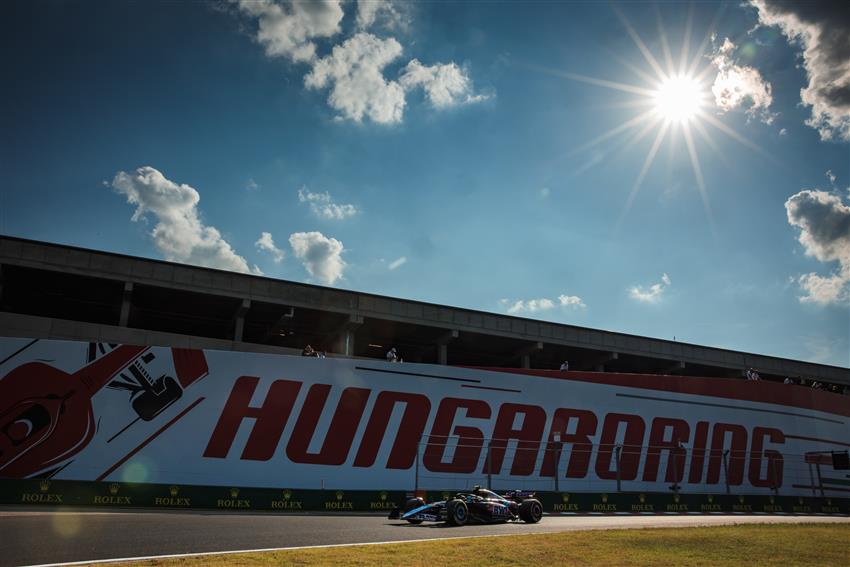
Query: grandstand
pixel 53 291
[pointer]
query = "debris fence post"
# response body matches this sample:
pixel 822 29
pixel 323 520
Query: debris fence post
pixel 774 484
pixel 416 468
pixel 557 458
pixel 490 464
pixel 617 450
pixel 676 476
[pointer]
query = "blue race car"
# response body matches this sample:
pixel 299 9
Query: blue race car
pixel 480 506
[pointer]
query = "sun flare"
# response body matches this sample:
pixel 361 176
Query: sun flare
pixel 678 99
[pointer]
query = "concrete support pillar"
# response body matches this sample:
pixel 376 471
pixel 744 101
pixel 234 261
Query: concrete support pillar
pixel 239 325
pixel 345 343
pixel 126 301
pixel 526 352
pixel 443 345
pixel 599 363
pixel 345 335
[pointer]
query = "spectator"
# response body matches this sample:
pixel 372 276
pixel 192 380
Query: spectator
pixel 789 380
pixel 392 355
pixel 565 365
pixel 817 385
pixel 753 375
pixel 308 351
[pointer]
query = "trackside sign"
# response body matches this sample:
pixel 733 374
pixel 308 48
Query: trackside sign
pixel 120 413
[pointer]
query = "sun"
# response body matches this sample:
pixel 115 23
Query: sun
pixel 678 99
pixel 675 104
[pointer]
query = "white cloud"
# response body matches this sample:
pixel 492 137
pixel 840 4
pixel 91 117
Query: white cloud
pixel 323 206
pixel 287 29
pixel 266 242
pixel 397 263
pixel 320 255
pixel 386 13
pixel 367 12
pixel 740 86
pixel 824 290
pixel 445 85
pixel 544 192
pixel 354 72
pixel 179 234
pixel 783 132
pixel 822 29
pixel 528 305
pixel 824 223
pixel 542 304
pixel 572 301
pixel 653 293
pixel 251 185
pixel 832 177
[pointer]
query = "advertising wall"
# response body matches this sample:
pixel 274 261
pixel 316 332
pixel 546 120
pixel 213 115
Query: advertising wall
pixel 128 414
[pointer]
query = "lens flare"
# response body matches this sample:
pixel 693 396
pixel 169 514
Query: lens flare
pixel 65 526
pixel 135 472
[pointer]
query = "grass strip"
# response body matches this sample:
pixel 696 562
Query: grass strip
pixel 720 546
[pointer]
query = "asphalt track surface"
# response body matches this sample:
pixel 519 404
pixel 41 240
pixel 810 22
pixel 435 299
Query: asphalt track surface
pixel 46 536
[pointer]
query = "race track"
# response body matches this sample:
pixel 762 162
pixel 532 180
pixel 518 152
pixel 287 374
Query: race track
pixel 41 536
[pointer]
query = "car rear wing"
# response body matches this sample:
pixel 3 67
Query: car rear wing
pixel 519 494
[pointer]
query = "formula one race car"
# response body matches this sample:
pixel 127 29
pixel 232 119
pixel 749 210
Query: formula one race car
pixel 479 506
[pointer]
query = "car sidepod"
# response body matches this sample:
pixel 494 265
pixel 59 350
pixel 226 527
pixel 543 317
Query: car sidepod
pixel 491 511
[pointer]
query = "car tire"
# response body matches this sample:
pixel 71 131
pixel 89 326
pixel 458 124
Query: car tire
pixel 412 504
pixel 457 513
pixel 530 511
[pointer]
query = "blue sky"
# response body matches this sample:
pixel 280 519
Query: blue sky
pixel 501 156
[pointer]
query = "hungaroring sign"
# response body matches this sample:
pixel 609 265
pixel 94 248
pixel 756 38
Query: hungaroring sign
pixel 119 413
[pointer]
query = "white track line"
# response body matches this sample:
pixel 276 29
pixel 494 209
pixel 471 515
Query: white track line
pixel 269 549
